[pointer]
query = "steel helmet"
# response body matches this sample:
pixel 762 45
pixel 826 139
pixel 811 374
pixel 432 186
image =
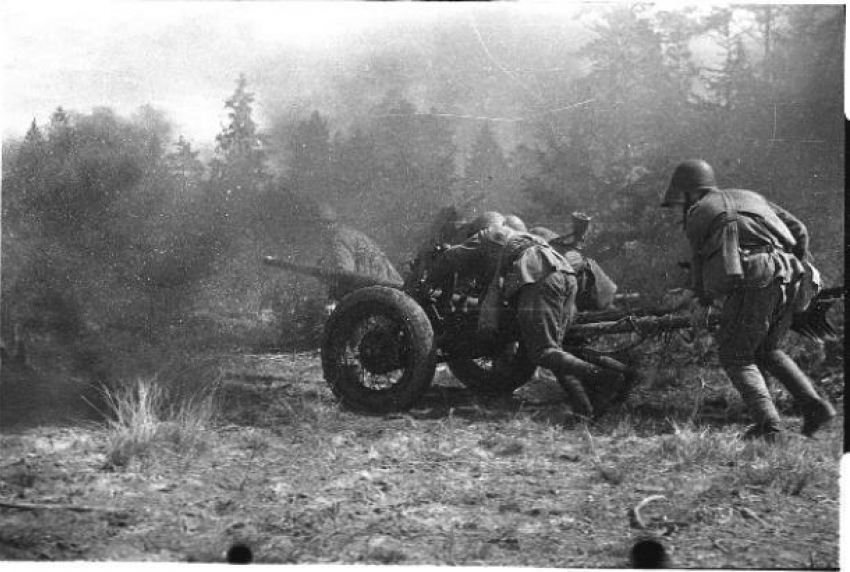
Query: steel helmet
pixel 575 230
pixel 689 175
pixel 544 233
pixel 484 220
pixel 514 222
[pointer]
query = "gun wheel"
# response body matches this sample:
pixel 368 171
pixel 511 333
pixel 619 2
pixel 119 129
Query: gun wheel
pixel 377 351
pixel 494 375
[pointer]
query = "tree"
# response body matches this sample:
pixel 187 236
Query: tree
pixel 807 142
pixel 60 133
pixel 354 167
pixel 412 173
pixel 25 173
pixel 638 86
pixel 310 166
pixel 184 166
pixel 486 181
pixel 239 163
pixel 561 179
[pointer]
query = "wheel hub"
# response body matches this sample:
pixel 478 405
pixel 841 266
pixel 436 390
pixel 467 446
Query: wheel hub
pixel 380 351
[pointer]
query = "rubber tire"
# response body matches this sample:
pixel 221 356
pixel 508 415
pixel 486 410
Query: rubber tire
pixel 487 381
pixel 419 366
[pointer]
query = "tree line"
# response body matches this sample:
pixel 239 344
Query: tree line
pixel 112 229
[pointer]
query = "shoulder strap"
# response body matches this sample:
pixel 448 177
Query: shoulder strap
pixel 730 243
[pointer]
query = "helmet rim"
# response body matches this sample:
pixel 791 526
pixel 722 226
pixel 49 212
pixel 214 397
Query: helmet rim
pixel 689 175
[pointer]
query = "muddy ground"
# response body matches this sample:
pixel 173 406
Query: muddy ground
pixel 289 476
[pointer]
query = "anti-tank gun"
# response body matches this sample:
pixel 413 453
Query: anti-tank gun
pixel 382 343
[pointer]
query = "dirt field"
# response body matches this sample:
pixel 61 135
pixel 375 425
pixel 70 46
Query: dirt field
pixel 459 480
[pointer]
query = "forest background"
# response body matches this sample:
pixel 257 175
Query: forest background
pixel 124 242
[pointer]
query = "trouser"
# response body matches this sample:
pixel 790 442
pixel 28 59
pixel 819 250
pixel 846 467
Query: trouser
pixel 544 311
pixel 753 323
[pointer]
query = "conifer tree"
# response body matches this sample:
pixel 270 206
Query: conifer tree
pixel 239 162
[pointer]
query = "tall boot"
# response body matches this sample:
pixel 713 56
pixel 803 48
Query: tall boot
pixel 574 374
pixel 749 382
pixel 817 411
pixel 614 383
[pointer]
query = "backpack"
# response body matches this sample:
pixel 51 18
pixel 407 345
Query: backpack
pixel 596 290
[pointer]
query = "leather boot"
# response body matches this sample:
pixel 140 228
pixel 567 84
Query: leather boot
pixel 749 382
pixel 569 369
pixel 614 383
pixel 817 411
pixel 578 399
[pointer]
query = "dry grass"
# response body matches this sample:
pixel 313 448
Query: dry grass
pixel 459 480
pixel 148 414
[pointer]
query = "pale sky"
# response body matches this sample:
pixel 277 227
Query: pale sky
pixel 180 57
pixel 183 57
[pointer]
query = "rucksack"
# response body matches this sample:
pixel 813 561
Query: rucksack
pixel 596 290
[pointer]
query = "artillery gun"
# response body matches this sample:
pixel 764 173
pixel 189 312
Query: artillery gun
pixel 382 343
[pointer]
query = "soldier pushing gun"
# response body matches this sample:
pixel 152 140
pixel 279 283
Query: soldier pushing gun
pixel 539 286
pixel 346 249
pixel 752 255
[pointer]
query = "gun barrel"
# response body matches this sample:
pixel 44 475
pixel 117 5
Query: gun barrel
pixel 344 280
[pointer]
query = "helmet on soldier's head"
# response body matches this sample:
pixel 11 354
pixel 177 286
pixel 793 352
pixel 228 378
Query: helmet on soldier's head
pixel 327 213
pixel 689 175
pixel 482 221
pixel 514 222
pixel 576 228
pixel 544 233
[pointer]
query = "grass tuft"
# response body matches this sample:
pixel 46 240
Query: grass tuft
pixel 147 415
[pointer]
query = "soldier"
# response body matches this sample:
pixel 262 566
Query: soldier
pixel 345 248
pixel 540 286
pixel 747 252
pixel 482 221
pixel 596 290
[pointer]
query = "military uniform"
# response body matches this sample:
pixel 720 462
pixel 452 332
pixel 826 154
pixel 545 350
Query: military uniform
pixel 747 252
pixel 348 249
pixel 539 285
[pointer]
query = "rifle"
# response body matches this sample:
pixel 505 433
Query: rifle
pixel 344 280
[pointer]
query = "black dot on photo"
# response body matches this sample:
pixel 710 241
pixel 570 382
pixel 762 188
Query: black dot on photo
pixel 239 554
pixel 648 553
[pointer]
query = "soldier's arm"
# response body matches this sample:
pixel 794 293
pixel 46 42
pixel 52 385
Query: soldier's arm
pixel 455 257
pixel 797 228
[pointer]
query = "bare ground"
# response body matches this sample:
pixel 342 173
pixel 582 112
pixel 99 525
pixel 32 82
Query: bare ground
pixel 460 480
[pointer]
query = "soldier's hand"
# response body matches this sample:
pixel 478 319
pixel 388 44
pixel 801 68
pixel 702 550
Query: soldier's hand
pixel 699 318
